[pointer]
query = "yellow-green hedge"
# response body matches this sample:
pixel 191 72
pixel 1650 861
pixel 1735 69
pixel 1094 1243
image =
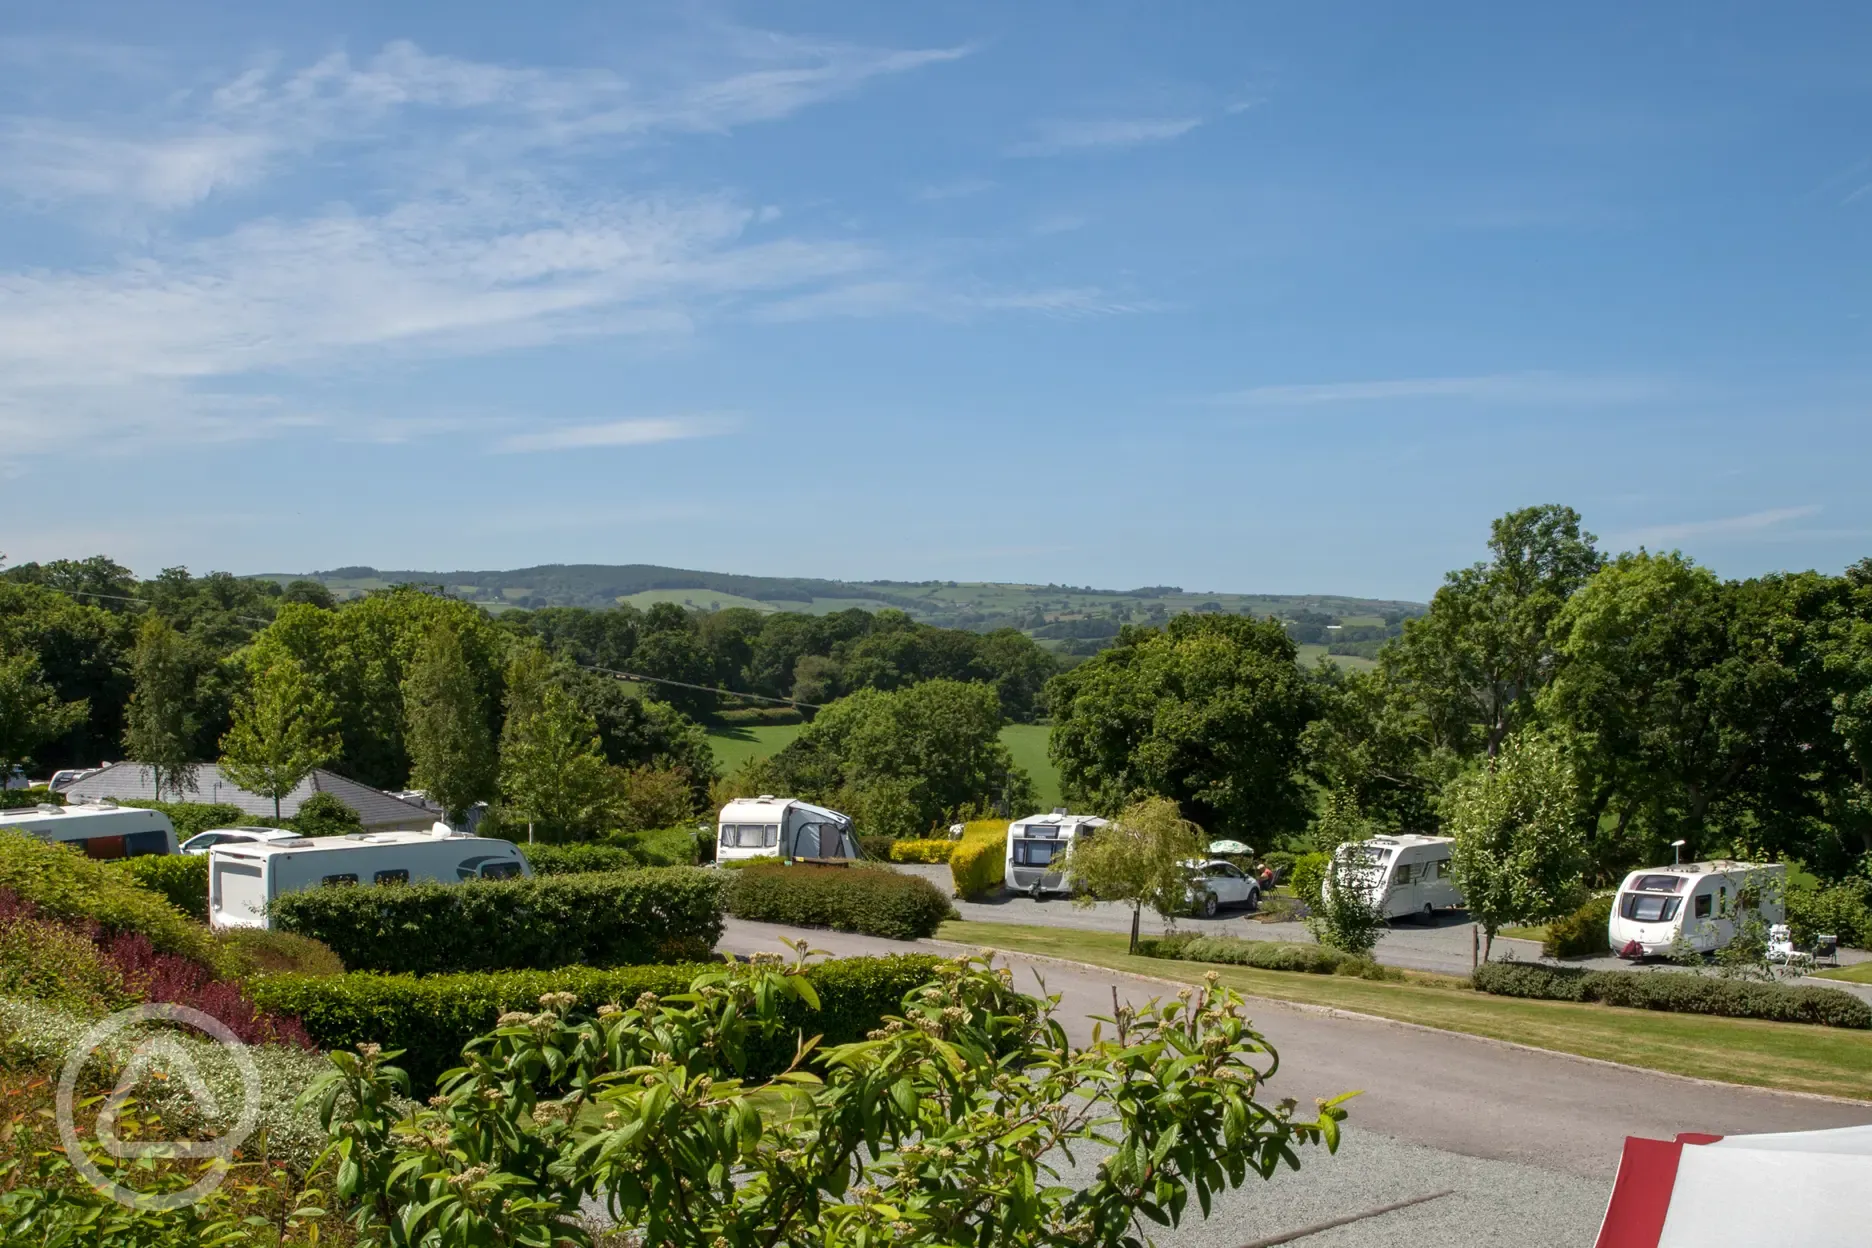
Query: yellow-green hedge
pixel 922 851
pixel 978 862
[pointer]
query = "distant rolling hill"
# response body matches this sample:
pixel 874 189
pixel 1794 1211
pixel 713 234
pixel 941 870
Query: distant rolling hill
pixel 1068 618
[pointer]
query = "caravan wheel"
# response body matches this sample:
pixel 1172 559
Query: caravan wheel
pixel 1429 914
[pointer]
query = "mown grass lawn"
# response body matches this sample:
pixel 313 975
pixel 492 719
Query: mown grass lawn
pixel 1028 744
pixel 1858 973
pixel 1786 1056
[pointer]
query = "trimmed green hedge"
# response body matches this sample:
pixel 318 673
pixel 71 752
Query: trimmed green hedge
pixel 191 818
pixel 877 848
pixel 1582 934
pixel 924 851
pixel 181 878
pixel 615 918
pixel 65 884
pixel 431 1018
pixel 1264 955
pixel 1677 992
pixel 875 902
pixel 26 799
pixel 578 859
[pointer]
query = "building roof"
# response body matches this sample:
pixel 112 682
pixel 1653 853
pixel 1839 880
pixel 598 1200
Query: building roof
pixel 134 782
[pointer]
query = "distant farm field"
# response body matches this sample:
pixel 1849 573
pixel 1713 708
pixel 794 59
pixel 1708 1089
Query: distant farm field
pixel 734 744
pixel 1311 653
pixel 1028 744
pixel 701 599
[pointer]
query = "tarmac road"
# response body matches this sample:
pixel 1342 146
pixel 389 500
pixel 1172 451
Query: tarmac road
pixel 1528 1140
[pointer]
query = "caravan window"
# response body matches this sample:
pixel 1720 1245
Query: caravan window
pixel 390 877
pixel 1649 908
pixel 750 835
pixel 1701 906
pixel 770 835
pixel 330 881
pixel 1658 883
pixel 500 871
pixel 1036 853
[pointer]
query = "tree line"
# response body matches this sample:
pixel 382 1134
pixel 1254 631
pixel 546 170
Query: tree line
pixel 1669 704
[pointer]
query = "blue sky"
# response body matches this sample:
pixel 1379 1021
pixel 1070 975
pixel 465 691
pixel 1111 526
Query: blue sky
pixel 1287 298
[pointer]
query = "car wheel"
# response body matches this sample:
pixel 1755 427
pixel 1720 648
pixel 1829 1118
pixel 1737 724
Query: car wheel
pixel 1254 900
pixel 1209 905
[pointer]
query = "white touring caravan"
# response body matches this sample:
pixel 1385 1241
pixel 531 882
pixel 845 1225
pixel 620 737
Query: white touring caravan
pixel 106 830
pixel 242 879
pixel 1698 902
pixel 1038 847
pixel 1402 874
pixel 783 827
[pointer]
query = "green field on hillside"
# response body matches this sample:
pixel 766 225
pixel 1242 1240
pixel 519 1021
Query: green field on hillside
pixel 734 744
pixel 700 599
pixel 1311 653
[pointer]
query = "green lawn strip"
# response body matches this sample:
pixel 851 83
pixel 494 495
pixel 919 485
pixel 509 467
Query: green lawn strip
pixel 1785 1056
pixel 734 744
pixel 1858 973
pixel 1524 933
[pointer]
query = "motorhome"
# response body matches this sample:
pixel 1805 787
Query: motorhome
pixel 1038 847
pixel 104 830
pixel 244 878
pixel 1400 875
pixel 1693 904
pixel 783 827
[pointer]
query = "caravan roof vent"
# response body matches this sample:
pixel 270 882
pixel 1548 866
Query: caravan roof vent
pixel 1059 810
pixel 47 808
pixel 765 797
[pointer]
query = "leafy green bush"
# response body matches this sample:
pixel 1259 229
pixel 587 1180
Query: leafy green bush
pixel 675 846
pixel 1582 934
pixel 742 864
pixel 1835 910
pixel 576 859
pixel 927 851
pixel 260 951
pixel 615 918
pixel 181 878
pixel 432 1017
pixel 45 961
pixel 1309 877
pixel 877 848
pixel 1677 992
pixel 26 799
pixel 190 818
pixel 1264 955
pixel 877 903
pixel 1282 862
pixel 322 815
pixel 978 863
pixel 66 885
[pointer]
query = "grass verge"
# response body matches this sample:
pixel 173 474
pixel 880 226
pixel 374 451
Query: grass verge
pixel 1783 1056
pixel 1858 973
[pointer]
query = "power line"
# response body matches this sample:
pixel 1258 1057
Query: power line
pixel 148 602
pixel 683 684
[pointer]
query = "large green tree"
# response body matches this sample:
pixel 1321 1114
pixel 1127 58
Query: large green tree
pixel 1474 664
pixel 552 770
pixel 1207 712
pixel 902 762
pixel 1845 641
pixel 84 655
pixel 284 726
pixel 451 751
pixel 31 712
pixel 1698 708
pixel 161 724
pixel 1520 852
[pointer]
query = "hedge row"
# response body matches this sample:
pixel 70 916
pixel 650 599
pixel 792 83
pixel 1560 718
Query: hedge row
pixel 1264 955
pixel 979 863
pixel 1677 992
pixel 64 884
pixel 578 859
pixel 181 878
pixel 922 851
pixel 618 918
pixel 431 1018
pixel 846 899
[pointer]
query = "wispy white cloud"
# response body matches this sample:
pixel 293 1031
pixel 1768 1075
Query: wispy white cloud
pixel 1535 388
pixel 1055 138
pixel 876 298
pixel 463 225
pixel 639 432
pixel 1753 524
